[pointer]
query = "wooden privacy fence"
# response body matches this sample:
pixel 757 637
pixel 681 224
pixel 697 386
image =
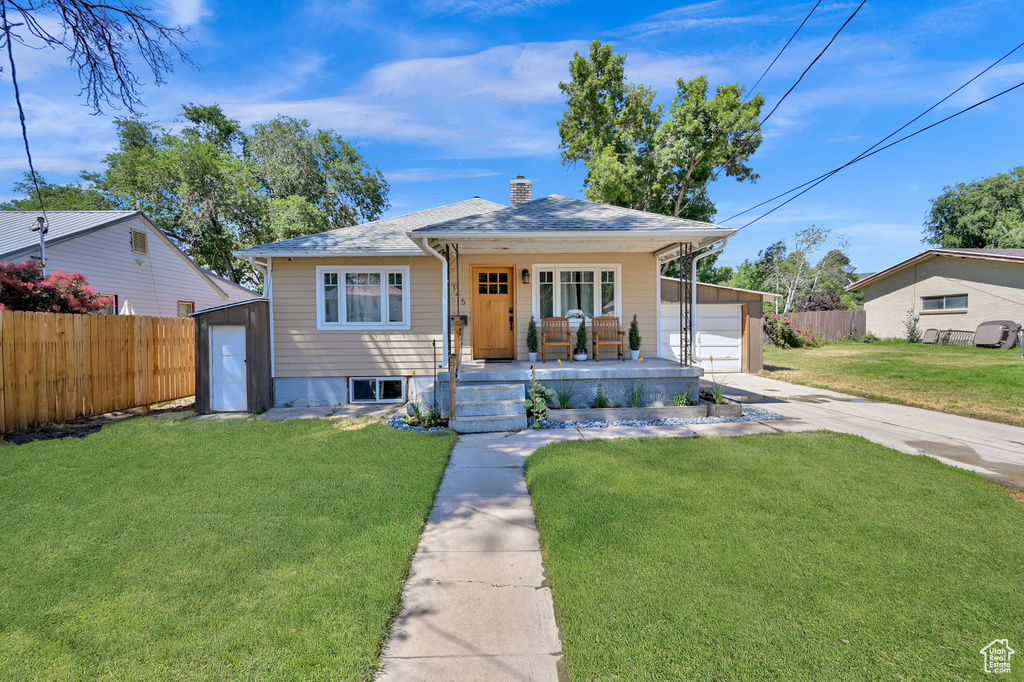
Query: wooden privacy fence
pixel 55 367
pixel 833 325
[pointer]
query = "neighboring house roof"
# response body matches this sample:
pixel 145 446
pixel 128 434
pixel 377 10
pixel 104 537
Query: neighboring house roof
pixel 763 294
pixel 225 283
pixel 18 240
pixel 1002 255
pixel 16 227
pixel 380 237
pixel 556 215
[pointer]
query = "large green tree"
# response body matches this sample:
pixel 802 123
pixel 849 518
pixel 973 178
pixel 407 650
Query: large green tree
pixel 215 188
pixel 988 213
pixel 641 157
pixel 74 196
pixel 802 283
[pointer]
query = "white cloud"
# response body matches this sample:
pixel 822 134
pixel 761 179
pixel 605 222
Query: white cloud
pixel 484 7
pixel 186 12
pixel 435 174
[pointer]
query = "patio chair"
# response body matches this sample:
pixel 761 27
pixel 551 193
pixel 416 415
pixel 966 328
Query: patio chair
pixel 606 332
pixel 555 331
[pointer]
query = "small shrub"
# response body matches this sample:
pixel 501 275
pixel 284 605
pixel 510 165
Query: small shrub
pixel 683 399
pixel 537 401
pixel 581 336
pixel 781 332
pixel 634 335
pixel 531 336
pixel 910 324
pixel 601 400
pixel 428 417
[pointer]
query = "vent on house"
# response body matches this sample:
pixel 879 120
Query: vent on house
pixel 139 241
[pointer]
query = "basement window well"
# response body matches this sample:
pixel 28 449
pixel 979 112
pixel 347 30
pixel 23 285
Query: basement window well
pixel 376 390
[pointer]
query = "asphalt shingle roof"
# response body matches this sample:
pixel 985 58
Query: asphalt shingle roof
pixel 16 226
pixel 390 234
pixel 557 213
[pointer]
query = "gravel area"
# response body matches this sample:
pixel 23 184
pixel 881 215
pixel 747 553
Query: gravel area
pixel 750 414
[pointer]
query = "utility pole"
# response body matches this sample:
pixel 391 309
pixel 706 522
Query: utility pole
pixel 42 228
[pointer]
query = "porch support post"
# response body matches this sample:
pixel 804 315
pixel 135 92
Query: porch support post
pixel 682 306
pixel 445 288
pixel 693 287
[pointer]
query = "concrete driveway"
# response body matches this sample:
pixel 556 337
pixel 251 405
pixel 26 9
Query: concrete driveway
pixel 991 449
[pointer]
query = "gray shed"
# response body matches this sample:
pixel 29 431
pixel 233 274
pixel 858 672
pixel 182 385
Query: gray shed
pixel 233 358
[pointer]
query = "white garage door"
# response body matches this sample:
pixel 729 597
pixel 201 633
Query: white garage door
pixel 227 368
pixel 719 335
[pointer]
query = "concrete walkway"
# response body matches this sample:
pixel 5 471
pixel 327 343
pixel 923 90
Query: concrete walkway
pixel 477 605
pixel 991 449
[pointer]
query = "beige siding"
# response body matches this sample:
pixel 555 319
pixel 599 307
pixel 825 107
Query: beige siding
pixel 995 291
pixel 302 350
pixel 153 287
pixel 639 290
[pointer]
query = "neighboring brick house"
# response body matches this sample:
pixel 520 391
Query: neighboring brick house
pixel 948 288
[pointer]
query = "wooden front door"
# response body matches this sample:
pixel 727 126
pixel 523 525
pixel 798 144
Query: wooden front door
pixel 493 314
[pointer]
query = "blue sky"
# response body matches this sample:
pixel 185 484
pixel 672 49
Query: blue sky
pixel 452 98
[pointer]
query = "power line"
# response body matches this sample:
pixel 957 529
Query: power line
pixel 813 62
pixel 758 82
pixel 882 149
pixel 21 111
pixel 890 135
pixel 745 143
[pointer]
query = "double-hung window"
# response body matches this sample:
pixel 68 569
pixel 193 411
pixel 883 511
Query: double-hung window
pixel 571 291
pixel 362 297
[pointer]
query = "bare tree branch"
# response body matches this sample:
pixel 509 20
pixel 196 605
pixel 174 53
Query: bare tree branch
pixel 101 40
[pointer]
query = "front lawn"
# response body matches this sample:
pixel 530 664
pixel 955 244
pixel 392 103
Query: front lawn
pixel 974 382
pixel 814 556
pixel 185 550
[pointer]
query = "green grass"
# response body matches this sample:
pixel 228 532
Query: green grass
pixel 233 550
pixel 815 556
pixel 984 383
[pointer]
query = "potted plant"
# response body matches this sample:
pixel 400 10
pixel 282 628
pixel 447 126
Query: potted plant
pixel 580 352
pixel 634 339
pixel 531 339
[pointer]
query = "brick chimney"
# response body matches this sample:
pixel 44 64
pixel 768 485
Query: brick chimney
pixel 521 190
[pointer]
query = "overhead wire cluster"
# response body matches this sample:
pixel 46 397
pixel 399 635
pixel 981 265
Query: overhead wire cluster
pixel 870 151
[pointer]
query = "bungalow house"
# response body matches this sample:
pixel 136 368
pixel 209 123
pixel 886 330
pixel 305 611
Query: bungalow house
pixel 371 313
pixel 124 256
pixel 947 288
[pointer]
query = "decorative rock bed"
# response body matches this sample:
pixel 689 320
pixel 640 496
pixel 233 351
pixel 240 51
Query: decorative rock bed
pixel 749 414
pixel 398 422
pixel 627 413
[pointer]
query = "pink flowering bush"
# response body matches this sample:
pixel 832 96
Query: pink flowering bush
pixel 23 287
pixel 781 332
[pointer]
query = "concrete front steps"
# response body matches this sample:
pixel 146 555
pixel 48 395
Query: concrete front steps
pixel 482 408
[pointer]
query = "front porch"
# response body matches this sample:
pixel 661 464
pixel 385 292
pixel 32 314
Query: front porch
pixel 658 379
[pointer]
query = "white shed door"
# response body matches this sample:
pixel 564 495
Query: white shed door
pixel 719 335
pixel 227 368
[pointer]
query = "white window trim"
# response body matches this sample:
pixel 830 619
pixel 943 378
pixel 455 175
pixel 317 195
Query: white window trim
pixel 557 267
pixel 382 270
pixel 351 392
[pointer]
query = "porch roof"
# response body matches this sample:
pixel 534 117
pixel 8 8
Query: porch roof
pixel 557 218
